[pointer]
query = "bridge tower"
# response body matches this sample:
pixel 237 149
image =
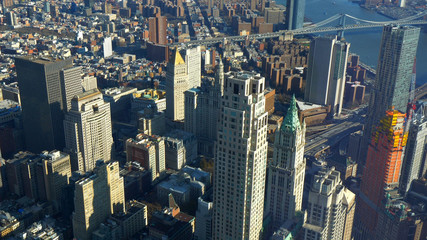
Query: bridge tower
pixel 340 33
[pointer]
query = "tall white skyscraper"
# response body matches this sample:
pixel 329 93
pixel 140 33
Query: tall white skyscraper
pixel 96 197
pixel 176 85
pixel 193 59
pixel 327 67
pixel 330 208
pixel 107 47
pixel 71 79
pixel 287 170
pixel 241 158
pixel 87 128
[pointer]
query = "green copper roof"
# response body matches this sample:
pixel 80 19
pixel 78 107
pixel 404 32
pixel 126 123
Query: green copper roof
pixel 291 121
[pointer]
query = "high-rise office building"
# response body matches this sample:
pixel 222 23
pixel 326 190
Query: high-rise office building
pixel 203 229
pixel 202 108
pixel 88 134
pixel 71 79
pixel 295 10
pixel 287 170
pixel 97 197
pixel 193 59
pixel 326 73
pixel 42 99
pixel 107 47
pixel 157 27
pixel 330 208
pixel 241 158
pixel 394 71
pixel 415 153
pixel 382 170
pixel 56 172
pixel 176 85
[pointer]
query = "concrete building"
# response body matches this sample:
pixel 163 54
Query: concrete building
pixel 56 172
pixel 88 130
pixel 286 172
pixel 176 85
pixel 184 187
pixel 326 73
pixel 394 71
pixel 120 100
pixel 193 59
pixel 415 153
pixel 241 157
pixel 149 151
pixel 89 83
pixel 204 216
pixel 11 18
pixel 181 148
pixel 42 101
pixel 202 108
pixel 295 10
pixel 97 197
pixel 71 79
pixel 151 123
pixel 329 202
pixel 149 98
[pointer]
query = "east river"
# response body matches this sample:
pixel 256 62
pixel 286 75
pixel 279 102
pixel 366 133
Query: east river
pixel 364 42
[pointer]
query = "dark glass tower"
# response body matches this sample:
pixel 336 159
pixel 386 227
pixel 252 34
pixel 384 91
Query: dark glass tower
pixel 295 14
pixel 395 62
pixel 42 98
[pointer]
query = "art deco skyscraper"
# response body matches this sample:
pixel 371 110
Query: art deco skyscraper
pixel 382 170
pixel 42 97
pixel 327 66
pixel 97 197
pixel 287 170
pixel 176 85
pixel 395 63
pixel 295 14
pixel 202 108
pixel 330 208
pixel 88 130
pixel 241 158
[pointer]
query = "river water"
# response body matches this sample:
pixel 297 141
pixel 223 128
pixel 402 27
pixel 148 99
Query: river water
pixel 364 42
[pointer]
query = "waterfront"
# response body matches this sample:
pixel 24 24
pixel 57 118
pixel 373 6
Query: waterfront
pixel 364 42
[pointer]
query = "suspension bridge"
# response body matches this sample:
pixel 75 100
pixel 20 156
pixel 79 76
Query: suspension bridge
pixel 320 27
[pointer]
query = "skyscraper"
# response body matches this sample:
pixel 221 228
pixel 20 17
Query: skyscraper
pixel 97 197
pixel 241 158
pixel 287 170
pixel 415 153
pixel 71 79
pixel 87 126
pixel 326 73
pixel 392 83
pixel 202 108
pixel 56 172
pixel 42 101
pixel 330 208
pixel 157 29
pixel 295 14
pixel 193 59
pixel 176 85
pixel 382 170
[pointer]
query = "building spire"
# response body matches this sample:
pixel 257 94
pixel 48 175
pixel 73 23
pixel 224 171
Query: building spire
pixel 291 121
pixel 219 76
